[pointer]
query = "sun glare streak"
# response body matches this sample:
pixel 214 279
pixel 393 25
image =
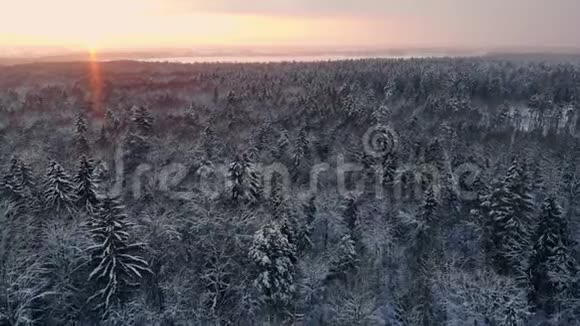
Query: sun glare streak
pixel 95 83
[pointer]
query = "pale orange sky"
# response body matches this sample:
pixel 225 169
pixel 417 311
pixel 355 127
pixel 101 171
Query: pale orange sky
pixel 130 24
pixel 154 23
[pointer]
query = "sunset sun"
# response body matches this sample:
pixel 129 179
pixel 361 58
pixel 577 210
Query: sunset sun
pixel 91 48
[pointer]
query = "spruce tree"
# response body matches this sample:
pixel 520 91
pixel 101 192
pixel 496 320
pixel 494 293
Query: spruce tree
pixel 117 266
pixel 27 185
pixel 425 237
pixel 59 190
pixel 274 258
pixel 551 263
pixel 15 186
pixel 245 181
pixel 509 210
pixel 502 231
pixel 344 259
pixel 493 206
pixel 350 215
pixel 11 184
pixel 209 142
pixel 570 185
pixel 81 124
pixel 80 134
pixel 519 220
pixel 282 145
pixel 112 123
pixel 521 200
pixel 143 120
pixel 511 316
pixel 419 298
pixel 428 216
pixel 291 228
pixel 26 177
pixel 434 155
pixel 305 232
pixel 278 199
pixel 103 140
pixel 300 148
pixel 389 169
pixel 136 147
pixel 85 187
pixel 262 136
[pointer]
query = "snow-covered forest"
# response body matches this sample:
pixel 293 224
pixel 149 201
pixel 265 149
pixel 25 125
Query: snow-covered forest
pixel 415 192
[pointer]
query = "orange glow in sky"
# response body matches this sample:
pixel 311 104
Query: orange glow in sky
pixel 140 24
pixel 107 24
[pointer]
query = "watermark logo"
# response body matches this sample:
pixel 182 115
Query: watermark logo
pixel 380 141
pixel 407 180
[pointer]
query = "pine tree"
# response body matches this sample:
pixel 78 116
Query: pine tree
pixel 381 115
pixel 425 236
pixel 253 153
pixel 290 228
pixel 350 215
pixel 109 118
pixel 344 259
pixel 511 316
pixel 274 258
pixel 232 99
pixel 15 186
pixel 428 216
pixel 502 231
pixel 521 202
pixel 59 190
pixel 81 134
pixel 245 181
pixel 282 144
pixel 278 199
pixel 100 178
pixel 478 190
pixel 570 185
pixel 509 210
pixel 28 198
pixel 520 219
pixel 26 177
pixel 305 233
pixel 262 136
pixel 420 298
pixel 10 181
pixel 117 266
pixel 551 264
pixel 367 161
pixel 351 106
pixel 300 148
pixel 209 142
pixel 136 147
pixel 389 169
pixel 143 120
pixel 434 155
pixel 103 140
pixel 85 187
pixel 112 124
pixel 236 175
pixel 81 124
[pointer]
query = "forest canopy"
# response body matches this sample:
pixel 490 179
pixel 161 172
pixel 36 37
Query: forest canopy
pixel 361 192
